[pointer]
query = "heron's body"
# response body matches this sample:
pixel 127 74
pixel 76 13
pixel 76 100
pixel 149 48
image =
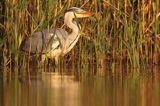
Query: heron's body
pixel 56 42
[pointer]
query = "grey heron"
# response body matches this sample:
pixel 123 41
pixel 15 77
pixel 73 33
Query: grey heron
pixel 53 43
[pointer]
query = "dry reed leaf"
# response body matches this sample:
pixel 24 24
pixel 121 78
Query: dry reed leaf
pixel 84 35
pixel 157 16
pixel 98 15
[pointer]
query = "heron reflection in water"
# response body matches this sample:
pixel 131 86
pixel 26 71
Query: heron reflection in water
pixel 53 43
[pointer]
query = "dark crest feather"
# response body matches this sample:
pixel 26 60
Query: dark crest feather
pixel 71 9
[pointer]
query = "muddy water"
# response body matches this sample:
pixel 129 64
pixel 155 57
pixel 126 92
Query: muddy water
pixel 60 88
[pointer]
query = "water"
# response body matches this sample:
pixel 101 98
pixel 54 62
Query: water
pixel 67 88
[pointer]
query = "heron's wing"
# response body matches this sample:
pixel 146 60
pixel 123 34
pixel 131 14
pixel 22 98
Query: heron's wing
pixel 56 38
pixel 44 41
pixel 52 42
pixel 62 36
pixel 32 44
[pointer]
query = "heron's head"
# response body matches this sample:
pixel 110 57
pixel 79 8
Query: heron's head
pixel 75 12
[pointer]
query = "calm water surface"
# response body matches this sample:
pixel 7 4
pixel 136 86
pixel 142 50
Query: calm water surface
pixel 67 88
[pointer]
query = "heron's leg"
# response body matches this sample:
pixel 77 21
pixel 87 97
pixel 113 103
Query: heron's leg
pixel 56 61
pixel 43 58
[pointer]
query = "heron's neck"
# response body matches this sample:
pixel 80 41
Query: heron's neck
pixel 75 29
pixel 73 36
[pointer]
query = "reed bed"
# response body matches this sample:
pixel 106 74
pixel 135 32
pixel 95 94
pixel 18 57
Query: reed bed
pixel 121 31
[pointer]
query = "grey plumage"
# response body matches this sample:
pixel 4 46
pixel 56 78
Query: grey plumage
pixel 41 42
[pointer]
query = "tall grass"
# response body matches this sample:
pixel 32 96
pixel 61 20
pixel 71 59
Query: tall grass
pixel 123 31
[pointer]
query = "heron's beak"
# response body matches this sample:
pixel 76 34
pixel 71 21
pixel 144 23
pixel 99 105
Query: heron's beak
pixel 84 14
pixel 87 14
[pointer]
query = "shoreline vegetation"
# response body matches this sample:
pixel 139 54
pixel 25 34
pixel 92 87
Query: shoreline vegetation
pixel 121 31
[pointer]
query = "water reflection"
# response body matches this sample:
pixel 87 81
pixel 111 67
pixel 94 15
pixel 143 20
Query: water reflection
pixel 65 89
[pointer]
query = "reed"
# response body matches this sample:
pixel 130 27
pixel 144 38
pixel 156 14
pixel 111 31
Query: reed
pixel 122 31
